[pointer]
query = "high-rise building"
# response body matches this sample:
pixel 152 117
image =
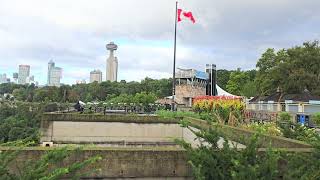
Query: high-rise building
pixel 112 63
pixel 15 77
pixel 96 75
pixel 24 72
pixel 3 78
pixel 54 74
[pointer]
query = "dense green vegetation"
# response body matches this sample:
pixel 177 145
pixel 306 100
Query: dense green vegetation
pixel 142 98
pixel 284 127
pixel 178 114
pixel 216 160
pixel 19 121
pixel 316 118
pixel 292 69
pixel 50 166
pixel 105 91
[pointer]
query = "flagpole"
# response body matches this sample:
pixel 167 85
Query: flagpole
pixel 174 61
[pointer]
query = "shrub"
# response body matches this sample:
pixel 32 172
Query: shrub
pixel 316 118
pixel 265 128
pixel 175 114
pixel 211 161
pixel 284 116
pixel 51 165
pixel 51 107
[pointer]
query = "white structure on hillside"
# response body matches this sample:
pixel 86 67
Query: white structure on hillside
pixel 112 63
pixel 83 81
pixel 24 72
pixel 96 75
pixel 54 74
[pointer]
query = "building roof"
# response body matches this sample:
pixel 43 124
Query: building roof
pixel 305 96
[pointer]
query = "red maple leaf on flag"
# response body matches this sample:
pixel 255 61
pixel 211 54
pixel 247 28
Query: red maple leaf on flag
pixel 188 15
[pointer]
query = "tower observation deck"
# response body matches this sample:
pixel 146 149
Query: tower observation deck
pixel 112 63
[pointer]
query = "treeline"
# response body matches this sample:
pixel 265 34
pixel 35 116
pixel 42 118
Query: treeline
pixel 234 81
pixel 237 82
pixel 105 91
pixel 292 70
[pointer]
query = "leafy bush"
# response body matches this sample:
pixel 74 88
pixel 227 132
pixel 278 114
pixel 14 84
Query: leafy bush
pixel 264 128
pixel 284 117
pixel 51 107
pixel 174 114
pixel 210 161
pixel 20 121
pixel 316 118
pixel 51 165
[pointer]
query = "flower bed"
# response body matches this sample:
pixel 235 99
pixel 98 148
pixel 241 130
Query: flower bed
pixel 227 109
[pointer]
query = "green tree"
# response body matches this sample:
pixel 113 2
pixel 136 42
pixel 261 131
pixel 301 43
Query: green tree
pixel 40 95
pixel 292 69
pixel 145 98
pixel 237 81
pixel 223 77
pixel 19 94
pixel 249 89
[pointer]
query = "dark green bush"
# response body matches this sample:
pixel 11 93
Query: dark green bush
pixel 211 161
pixel 285 117
pixel 316 118
pixel 52 107
pixel 216 160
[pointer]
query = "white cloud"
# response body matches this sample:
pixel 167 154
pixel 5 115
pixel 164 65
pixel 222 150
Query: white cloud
pixel 74 33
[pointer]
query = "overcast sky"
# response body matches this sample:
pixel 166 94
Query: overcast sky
pixel 229 33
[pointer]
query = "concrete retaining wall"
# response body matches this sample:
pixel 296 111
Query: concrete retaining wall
pixel 99 132
pixel 140 130
pixel 125 163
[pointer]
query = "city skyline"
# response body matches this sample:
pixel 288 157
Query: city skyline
pixel 74 34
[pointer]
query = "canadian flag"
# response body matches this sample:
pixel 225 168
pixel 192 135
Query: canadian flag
pixel 187 15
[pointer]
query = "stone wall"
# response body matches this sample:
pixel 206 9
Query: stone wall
pixel 155 163
pixel 188 91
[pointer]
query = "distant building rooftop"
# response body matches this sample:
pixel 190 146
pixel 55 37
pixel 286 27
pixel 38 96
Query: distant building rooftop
pixel 305 96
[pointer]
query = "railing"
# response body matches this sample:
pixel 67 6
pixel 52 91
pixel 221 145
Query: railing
pixel 278 107
pixel 110 108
